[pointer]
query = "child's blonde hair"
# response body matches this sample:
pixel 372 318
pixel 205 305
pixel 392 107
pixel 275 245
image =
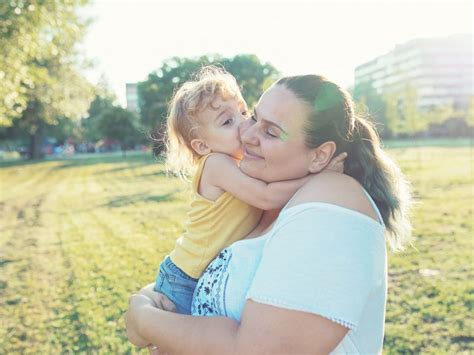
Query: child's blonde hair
pixel 189 100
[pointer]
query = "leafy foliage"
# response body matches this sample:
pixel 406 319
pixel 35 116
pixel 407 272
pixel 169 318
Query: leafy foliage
pixel 119 124
pixel 372 104
pixel 90 124
pixel 39 65
pixel 396 112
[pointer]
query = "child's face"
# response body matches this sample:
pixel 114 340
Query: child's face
pixel 220 128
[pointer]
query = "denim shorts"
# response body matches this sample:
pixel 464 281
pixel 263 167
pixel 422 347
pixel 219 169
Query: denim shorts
pixel 175 284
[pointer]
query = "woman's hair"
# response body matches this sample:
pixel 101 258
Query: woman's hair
pixel 332 118
pixel 189 100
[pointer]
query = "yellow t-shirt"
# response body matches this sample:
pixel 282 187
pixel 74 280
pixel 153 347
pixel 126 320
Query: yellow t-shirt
pixel 210 227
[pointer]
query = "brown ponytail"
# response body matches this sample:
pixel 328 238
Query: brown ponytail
pixel 381 178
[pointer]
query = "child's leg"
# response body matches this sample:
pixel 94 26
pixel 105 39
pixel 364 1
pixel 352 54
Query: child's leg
pixel 176 285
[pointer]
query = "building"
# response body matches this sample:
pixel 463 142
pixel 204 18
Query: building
pixel 132 97
pixel 440 70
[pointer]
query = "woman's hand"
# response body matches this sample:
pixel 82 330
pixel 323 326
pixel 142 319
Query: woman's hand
pixel 138 304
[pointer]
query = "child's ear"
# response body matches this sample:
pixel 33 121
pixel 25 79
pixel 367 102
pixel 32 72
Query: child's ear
pixel 321 156
pixel 200 146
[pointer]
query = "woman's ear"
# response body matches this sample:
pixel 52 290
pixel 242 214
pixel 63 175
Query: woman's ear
pixel 321 156
pixel 200 146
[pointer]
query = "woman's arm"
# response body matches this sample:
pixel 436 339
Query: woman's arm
pixel 263 329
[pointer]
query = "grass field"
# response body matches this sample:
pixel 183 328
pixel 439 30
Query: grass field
pixel 78 236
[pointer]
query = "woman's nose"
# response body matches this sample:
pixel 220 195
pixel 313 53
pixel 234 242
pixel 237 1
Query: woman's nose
pixel 247 133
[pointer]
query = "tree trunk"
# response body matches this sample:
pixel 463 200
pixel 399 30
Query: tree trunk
pixel 36 140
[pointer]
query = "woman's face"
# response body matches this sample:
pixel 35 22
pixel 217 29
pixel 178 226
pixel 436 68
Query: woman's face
pixel 273 139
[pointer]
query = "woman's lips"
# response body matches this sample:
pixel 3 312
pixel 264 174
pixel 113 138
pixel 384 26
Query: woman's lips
pixel 249 155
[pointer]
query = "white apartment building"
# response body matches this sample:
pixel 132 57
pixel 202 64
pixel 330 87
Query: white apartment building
pixel 132 97
pixel 441 70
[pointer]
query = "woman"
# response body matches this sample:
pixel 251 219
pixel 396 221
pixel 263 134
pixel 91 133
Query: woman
pixel 316 281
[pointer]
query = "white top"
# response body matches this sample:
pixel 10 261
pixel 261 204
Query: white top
pixel 318 258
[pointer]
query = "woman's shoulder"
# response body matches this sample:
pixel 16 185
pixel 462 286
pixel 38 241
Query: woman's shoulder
pixel 337 189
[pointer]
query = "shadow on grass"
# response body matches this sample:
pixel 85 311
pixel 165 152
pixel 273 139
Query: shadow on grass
pixel 462 339
pixel 4 262
pixel 131 165
pixel 86 159
pixel 132 161
pixel 132 199
pixel 23 162
pixel 156 173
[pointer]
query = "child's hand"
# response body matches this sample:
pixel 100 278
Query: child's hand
pixel 337 164
pixel 159 300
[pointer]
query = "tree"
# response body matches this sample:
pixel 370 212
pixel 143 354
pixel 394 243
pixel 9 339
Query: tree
pixel 119 124
pixel 371 103
pixel 404 115
pixel 103 101
pixel 155 92
pixel 90 129
pixel 252 75
pixel 20 28
pixel 40 66
pixel 470 111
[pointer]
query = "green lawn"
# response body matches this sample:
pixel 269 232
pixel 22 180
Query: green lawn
pixel 428 142
pixel 78 236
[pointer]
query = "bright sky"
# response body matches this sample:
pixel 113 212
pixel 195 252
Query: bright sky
pixel 129 39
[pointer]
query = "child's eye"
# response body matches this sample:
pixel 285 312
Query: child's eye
pixel 246 113
pixel 227 122
pixel 253 118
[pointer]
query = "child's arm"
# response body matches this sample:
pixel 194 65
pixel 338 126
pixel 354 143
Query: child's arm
pixel 266 221
pixel 337 163
pixel 222 171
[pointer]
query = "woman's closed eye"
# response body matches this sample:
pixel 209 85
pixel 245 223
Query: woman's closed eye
pixel 271 133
